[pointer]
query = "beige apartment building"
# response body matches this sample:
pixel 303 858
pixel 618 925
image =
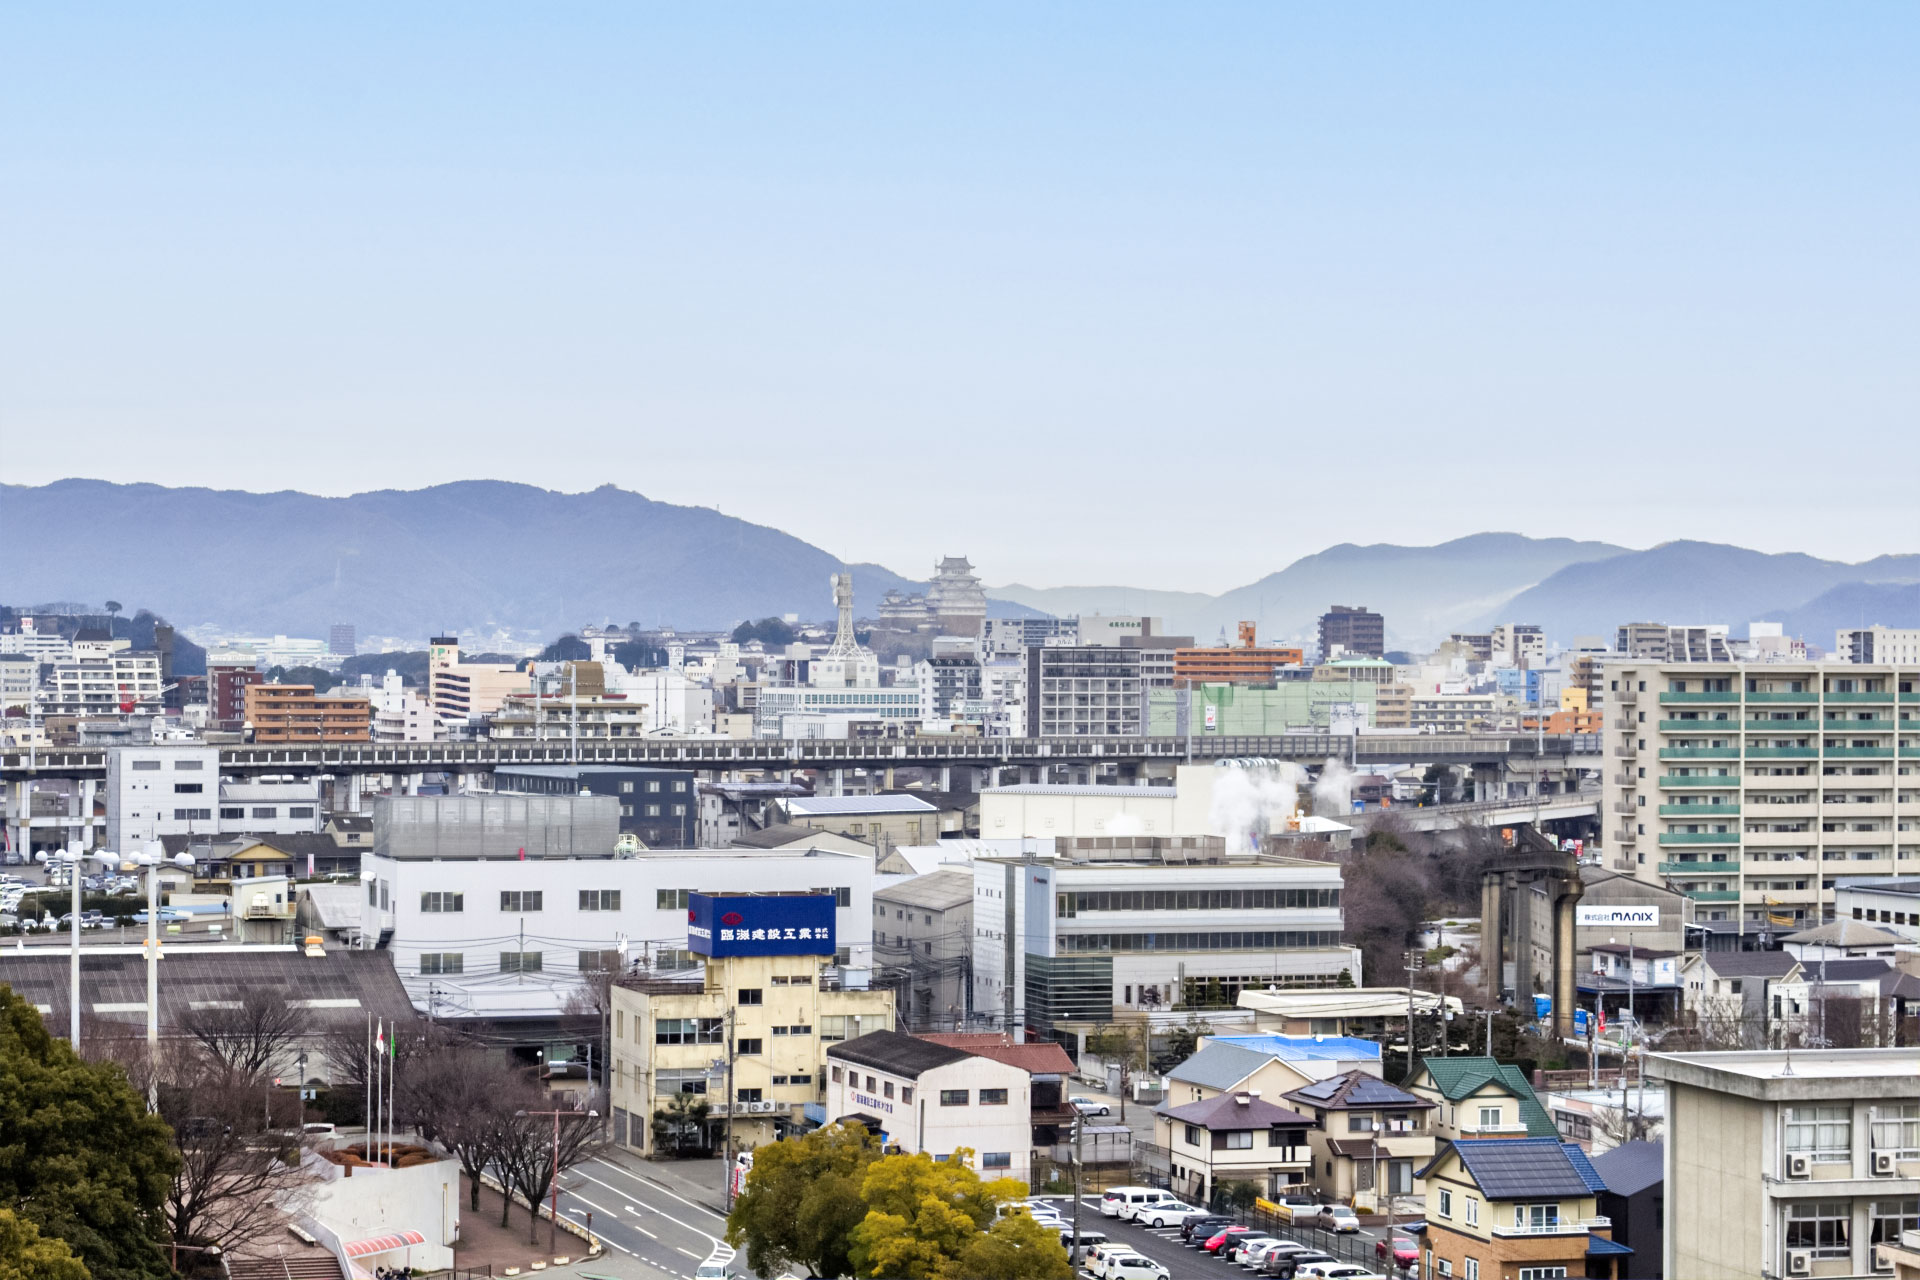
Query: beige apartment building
pixel 459 689
pixel 778 1014
pixel 1754 788
pixel 1800 1163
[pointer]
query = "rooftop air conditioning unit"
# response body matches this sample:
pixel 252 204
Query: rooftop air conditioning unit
pixel 1799 1262
pixel 1799 1165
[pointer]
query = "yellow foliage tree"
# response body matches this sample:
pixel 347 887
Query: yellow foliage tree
pixel 925 1216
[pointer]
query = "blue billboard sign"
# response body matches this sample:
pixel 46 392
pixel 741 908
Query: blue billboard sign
pixel 756 925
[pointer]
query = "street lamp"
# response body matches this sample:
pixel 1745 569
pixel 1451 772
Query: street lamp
pixel 153 858
pixel 74 856
pixel 553 1209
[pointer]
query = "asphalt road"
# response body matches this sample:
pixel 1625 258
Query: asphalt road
pixel 640 1218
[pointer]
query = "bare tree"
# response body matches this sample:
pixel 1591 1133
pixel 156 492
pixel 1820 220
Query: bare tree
pixel 463 1096
pixel 241 1175
pixel 528 1154
pixel 246 1036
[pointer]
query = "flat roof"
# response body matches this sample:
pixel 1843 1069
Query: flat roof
pixel 1047 789
pixel 831 806
pixel 1795 1074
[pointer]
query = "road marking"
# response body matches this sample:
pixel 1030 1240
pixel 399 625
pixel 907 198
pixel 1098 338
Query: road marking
pixel 590 1204
pixel 650 1185
pixel 688 1252
pixel 707 1236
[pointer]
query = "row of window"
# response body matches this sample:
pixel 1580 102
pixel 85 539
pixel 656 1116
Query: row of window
pixel 153 766
pixel 1826 1133
pixel 520 901
pixel 1824 1227
pixel 682 899
pixel 1223 941
pixel 432 962
pixel 1070 904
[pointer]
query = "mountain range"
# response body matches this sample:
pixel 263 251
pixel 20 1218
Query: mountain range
pixel 482 557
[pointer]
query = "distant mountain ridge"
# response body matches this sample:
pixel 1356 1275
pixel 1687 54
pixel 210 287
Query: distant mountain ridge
pixel 479 556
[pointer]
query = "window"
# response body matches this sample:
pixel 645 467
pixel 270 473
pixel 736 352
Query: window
pixel 523 900
pixel 843 897
pixel 1825 1133
pixel 600 961
pixel 953 1097
pixel 653 787
pixel 1239 1140
pixel 1820 1226
pixel 300 811
pixel 187 766
pixel 1360 1122
pixel 653 811
pixel 886 1088
pixel 1536 1216
pixel 747 995
pixel 442 962
pixel 749 1046
pixel 679 811
pixel 670 899
pixel 147 766
pixel 193 815
pixel 996 1160
pixel 443 902
pixel 906 1093
pixel 993 1097
pixel 1489 1117
pixel 689 1031
pixel 680 1080
pixel 1446 1203
pixel 1890 1217
pixel 1471 1268
pixel 1473 1211
pixel 801 1028
pixel 233 813
pixel 521 961
pixel 1190 1134
pixel 748 1095
pixel 836 1075
pixel 1441 1267
pixel 188 788
pixel 1538 1273
pixel 1896 1128
pixel 265 811
pixel 599 899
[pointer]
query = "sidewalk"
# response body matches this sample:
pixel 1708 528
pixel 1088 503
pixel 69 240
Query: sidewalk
pixel 483 1243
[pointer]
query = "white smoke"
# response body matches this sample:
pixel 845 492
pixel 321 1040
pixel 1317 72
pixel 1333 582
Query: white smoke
pixel 1333 790
pixel 1125 824
pixel 1251 799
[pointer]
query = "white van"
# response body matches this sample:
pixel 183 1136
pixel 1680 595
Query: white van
pixel 1119 1199
pixel 1134 1267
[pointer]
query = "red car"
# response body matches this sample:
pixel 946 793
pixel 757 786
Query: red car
pixel 1214 1242
pixel 1405 1251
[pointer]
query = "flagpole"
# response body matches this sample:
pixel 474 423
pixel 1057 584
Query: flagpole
pixel 379 1048
pixel 368 1083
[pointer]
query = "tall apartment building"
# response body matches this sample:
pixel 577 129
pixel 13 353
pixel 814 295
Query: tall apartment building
pixel 1754 788
pixel 1015 635
pixel 948 685
pixel 1354 628
pixel 1084 691
pixel 1519 644
pixel 1801 1163
pixel 1244 663
pixel 108 685
pixel 1879 644
pixel 1658 642
pixel 459 689
pixel 228 676
pixel 294 713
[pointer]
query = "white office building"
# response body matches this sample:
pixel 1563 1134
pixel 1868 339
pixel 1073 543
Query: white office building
pixel 933 1098
pixel 503 937
pixel 155 791
pixel 273 805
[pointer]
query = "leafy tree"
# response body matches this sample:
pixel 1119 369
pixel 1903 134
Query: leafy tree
pixel 684 1116
pixel 568 648
pixel 113 608
pixel 774 633
pixel 1237 1194
pixel 637 655
pixel 410 666
pixel 25 1254
pixel 1345 979
pixel 802 1201
pixel 1013 1248
pixel 319 677
pixel 1182 1043
pixel 922 1214
pixel 1125 1045
pixel 80 1157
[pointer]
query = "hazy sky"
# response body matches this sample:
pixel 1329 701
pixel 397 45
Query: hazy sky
pixel 1164 294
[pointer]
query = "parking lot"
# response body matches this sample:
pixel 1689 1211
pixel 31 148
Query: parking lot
pixel 1164 1244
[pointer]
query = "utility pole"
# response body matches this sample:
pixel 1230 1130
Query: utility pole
pixel 1079 1122
pixel 1413 967
pixel 726 1153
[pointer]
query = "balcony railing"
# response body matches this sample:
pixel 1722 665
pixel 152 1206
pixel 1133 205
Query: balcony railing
pixel 1564 1227
pixel 1700 837
pixel 1725 695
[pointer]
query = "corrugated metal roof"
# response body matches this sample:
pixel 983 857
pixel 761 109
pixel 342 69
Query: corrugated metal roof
pixel 1219 1066
pixel 838 806
pixel 935 891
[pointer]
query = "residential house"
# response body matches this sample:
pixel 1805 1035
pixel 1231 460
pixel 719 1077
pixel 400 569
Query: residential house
pixel 1233 1137
pixel 923 1096
pixel 1269 1070
pixel 1481 1098
pixel 1623 976
pixel 1731 993
pixel 1841 940
pixel 1368 1137
pixel 1049 1071
pixel 1634 1201
pixel 1515 1209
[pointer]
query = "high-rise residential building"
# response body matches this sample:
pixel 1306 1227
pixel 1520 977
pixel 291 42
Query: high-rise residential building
pixel 459 689
pixel 1753 788
pixel 1244 663
pixel 1084 691
pixel 228 675
pixel 1519 644
pixel 1658 642
pixel 109 684
pixel 1014 635
pixel 1355 630
pixel 1477 644
pixel 294 713
pixel 1801 1162
pixel 1878 644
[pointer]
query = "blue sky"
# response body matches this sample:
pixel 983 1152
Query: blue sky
pixel 1167 295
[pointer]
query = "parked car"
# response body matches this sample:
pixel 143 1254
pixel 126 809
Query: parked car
pixel 1336 1217
pixel 1218 1240
pixel 1089 1107
pixel 1102 1256
pixel 1088 1238
pixel 1291 1207
pixel 1163 1213
pixel 1254 1258
pixel 1235 1250
pixel 1404 1251
pixel 1337 1271
pixel 1115 1200
pixel 1287 1262
pixel 1133 1266
pixel 1196 1227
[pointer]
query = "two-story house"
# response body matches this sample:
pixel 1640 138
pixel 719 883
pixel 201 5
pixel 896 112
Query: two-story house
pixel 1268 1065
pixel 1480 1098
pixel 1515 1209
pixel 1233 1137
pixel 923 1096
pixel 1369 1138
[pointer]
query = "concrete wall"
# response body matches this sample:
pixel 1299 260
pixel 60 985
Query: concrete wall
pixel 376 1202
pixel 926 1125
pixel 1717 1146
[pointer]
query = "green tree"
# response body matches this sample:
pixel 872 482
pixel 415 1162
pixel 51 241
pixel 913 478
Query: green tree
pixel 568 648
pixel 802 1201
pixel 1182 1043
pixel 1013 1248
pixel 771 632
pixel 1238 1194
pixel 25 1254
pixel 80 1156
pixel 923 1213
pixel 684 1116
